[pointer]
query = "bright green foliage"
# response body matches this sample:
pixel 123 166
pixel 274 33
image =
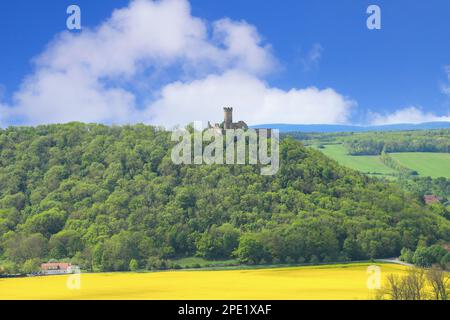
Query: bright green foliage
pixel 134 265
pixel 407 255
pixel 31 266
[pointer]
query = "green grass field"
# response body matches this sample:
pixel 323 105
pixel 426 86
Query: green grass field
pixel 425 163
pixel 366 164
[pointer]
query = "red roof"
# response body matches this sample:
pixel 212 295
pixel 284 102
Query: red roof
pixel 55 266
pixel 430 199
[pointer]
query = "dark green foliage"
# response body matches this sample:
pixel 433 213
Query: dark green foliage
pixel 110 198
pixel 155 263
pixel 218 242
pixel 47 222
pixel 427 256
pixel 65 243
pixel 19 247
pixel 445 261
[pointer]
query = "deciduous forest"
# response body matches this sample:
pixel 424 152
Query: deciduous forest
pixel 109 198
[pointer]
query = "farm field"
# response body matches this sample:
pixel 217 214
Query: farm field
pixel 434 165
pixel 365 164
pixel 344 281
pixel 430 164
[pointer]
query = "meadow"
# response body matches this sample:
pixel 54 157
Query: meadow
pixel 430 164
pixel 427 164
pixel 366 164
pixel 344 281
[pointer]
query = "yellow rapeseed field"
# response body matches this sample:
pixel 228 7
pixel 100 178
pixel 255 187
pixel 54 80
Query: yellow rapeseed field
pixel 348 281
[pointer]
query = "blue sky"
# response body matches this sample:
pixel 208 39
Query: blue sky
pixel 312 61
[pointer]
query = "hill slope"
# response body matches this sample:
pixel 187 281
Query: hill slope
pixel 110 198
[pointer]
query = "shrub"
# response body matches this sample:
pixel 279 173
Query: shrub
pixel 445 261
pixel 406 255
pixel 155 263
pixel 426 257
pixel 8 267
pixel 31 266
pixel 134 265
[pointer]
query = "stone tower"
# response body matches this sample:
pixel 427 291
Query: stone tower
pixel 228 118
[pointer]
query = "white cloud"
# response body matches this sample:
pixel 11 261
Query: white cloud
pixel 243 43
pixel 51 96
pixel 95 76
pixel 157 33
pixel 407 115
pixel 256 102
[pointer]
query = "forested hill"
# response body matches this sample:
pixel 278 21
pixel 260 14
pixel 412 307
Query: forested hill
pixel 110 197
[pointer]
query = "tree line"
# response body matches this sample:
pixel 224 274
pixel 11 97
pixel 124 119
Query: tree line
pixel 374 143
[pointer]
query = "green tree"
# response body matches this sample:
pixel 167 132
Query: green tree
pixel 65 243
pixel 19 247
pixel 31 266
pixel 218 242
pixel 407 255
pixel 47 223
pixel 134 265
pixel 251 249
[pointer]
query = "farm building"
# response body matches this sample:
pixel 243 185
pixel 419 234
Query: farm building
pixel 56 268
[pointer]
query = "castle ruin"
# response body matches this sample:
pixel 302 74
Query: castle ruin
pixel 228 122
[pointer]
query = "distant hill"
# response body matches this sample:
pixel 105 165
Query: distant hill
pixel 352 128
